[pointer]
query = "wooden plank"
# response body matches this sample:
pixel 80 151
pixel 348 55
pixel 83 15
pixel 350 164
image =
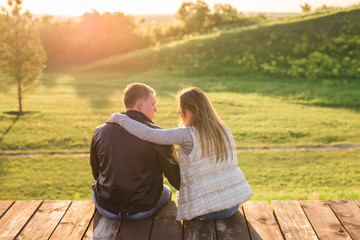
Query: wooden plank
pixel 234 227
pixel 349 215
pixel 102 228
pixel 45 220
pixel 16 218
pixel 199 230
pixel 292 220
pixel 75 222
pixel 4 206
pixel 261 221
pixel 137 229
pixel 324 221
pixel 165 225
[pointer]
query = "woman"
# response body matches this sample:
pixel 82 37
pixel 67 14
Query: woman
pixel 212 185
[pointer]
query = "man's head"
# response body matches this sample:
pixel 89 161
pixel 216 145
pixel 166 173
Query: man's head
pixel 140 97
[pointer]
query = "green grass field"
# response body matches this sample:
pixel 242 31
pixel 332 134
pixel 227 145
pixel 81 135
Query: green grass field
pixel 303 174
pixel 261 110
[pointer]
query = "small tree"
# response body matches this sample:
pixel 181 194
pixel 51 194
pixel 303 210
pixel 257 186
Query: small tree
pixel 305 8
pixel 22 55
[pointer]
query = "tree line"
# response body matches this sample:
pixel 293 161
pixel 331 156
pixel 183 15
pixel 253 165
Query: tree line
pixel 98 36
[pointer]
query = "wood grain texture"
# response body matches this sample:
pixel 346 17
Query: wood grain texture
pixel 102 228
pixel 324 221
pixel 75 222
pixel 36 220
pixel 165 225
pixel 16 218
pixel 137 229
pixel 349 214
pixel 234 227
pixel 199 230
pixel 292 220
pixel 261 221
pixel 4 206
pixel 46 218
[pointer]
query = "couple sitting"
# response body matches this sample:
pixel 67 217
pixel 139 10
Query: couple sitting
pixel 129 155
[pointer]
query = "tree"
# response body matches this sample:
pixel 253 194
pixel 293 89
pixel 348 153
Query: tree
pixel 224 14
pixel 305 8
pixel 96 36
pixel 193 15
pixel 22 55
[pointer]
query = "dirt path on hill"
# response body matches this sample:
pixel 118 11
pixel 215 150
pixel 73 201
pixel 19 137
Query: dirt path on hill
pixel 337 147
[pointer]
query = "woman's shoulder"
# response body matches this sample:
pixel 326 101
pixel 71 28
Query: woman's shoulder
pixel 227 130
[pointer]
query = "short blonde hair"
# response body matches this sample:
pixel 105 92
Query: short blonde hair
pixel 135 91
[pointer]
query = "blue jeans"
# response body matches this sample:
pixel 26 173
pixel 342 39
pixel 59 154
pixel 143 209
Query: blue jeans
pixel 219 215
pixel 165 197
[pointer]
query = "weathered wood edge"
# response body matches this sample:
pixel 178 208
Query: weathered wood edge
pixel 343 211
pixel 323 220
pixel 137 229
pixel 72 224
pixel 5 206
pixel 234 227
pixel 284 217
pixel 36 202
pixel 165 225
pixel 263 221
pixel 101 227
pixel 199 229
pixel 48 214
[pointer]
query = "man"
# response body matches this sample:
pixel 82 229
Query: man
pixel 127 170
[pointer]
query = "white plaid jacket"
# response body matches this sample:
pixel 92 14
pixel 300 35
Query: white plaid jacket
pixel 207 186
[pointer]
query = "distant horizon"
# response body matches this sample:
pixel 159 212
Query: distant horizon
pixel 159 7
pixel 147 14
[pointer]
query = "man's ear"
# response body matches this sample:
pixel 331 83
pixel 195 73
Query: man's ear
pixel 139 104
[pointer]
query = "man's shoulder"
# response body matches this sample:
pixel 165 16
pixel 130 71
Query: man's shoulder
pixel 100 126
pixel 106 127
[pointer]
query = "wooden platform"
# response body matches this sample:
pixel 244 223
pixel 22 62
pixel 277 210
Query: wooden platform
pixel 254 220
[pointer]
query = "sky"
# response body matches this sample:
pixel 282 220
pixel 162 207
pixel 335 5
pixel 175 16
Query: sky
pixel 79 7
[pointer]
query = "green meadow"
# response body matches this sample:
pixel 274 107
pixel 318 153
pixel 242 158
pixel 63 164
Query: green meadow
pixel 262 110
pixel 302 174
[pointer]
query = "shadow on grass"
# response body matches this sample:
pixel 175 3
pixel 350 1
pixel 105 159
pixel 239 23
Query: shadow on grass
pixel 97 88
pixel 308 92
pixel 9 128
pixel 100 87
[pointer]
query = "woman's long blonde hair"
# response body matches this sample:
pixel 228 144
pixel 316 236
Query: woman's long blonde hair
pixel 210 128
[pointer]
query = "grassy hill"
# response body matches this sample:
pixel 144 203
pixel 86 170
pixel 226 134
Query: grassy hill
pixel 313 58
pixel 310 45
